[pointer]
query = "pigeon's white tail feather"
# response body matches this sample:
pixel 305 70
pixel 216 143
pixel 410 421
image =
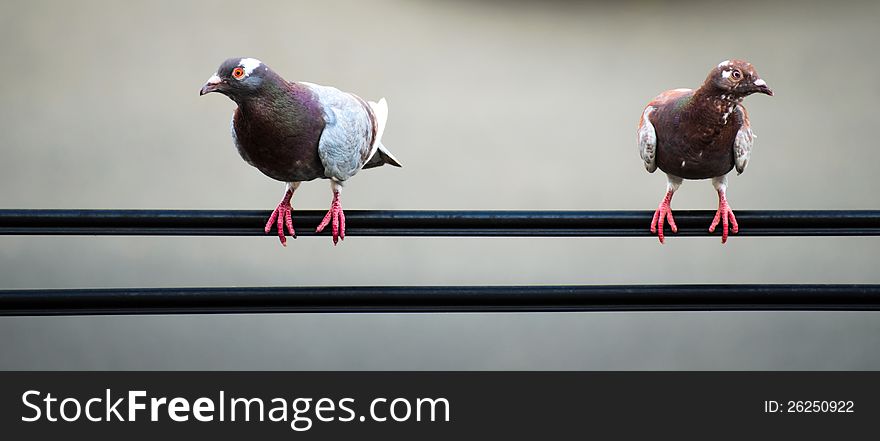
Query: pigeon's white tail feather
pixel 380 110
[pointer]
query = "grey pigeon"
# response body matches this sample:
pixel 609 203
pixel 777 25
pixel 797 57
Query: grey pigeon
pixel 297 131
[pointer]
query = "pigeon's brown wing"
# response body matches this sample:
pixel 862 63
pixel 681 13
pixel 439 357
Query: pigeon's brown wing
pixel 745 138
pixel 647 135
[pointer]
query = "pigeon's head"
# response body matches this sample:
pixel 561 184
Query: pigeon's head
pixel 237 78
pixel 737 78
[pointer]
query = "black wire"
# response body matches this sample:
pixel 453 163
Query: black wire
pixel 432 223
pixel 439 299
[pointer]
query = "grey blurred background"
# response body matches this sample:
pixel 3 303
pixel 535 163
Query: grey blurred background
pixel 493 105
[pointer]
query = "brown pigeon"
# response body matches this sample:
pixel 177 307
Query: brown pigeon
pixel 297 131
pixel 701 134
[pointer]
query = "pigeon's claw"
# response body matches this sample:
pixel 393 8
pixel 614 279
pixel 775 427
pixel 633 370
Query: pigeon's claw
pixel 281 217
pixel 663 214
pixel 726 217
pixel 335 217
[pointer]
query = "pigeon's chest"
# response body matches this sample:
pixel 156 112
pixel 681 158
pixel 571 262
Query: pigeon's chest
pixel 283 147
pixel 694 148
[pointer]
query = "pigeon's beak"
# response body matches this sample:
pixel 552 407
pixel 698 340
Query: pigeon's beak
pixel 762 87
pixel 212 85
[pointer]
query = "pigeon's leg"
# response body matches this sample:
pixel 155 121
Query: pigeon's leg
pixel 335 215
pixel 664 211
pixel 724 213
pixel 282 217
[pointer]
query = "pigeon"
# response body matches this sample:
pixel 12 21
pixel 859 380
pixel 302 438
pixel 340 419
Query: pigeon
pixel 701 134
pixel 297 131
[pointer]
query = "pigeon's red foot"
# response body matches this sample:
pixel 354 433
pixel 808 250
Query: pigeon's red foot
pixel 663 213
pixel 281 217
pixel 725 216
pixel 337 217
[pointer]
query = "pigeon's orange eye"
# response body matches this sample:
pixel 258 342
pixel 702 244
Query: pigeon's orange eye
pixel 737 75
pixel 238 73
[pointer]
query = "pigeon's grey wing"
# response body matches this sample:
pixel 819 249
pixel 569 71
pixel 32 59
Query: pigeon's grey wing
pixel 345 143
pixel 742 145
pixel 648 140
